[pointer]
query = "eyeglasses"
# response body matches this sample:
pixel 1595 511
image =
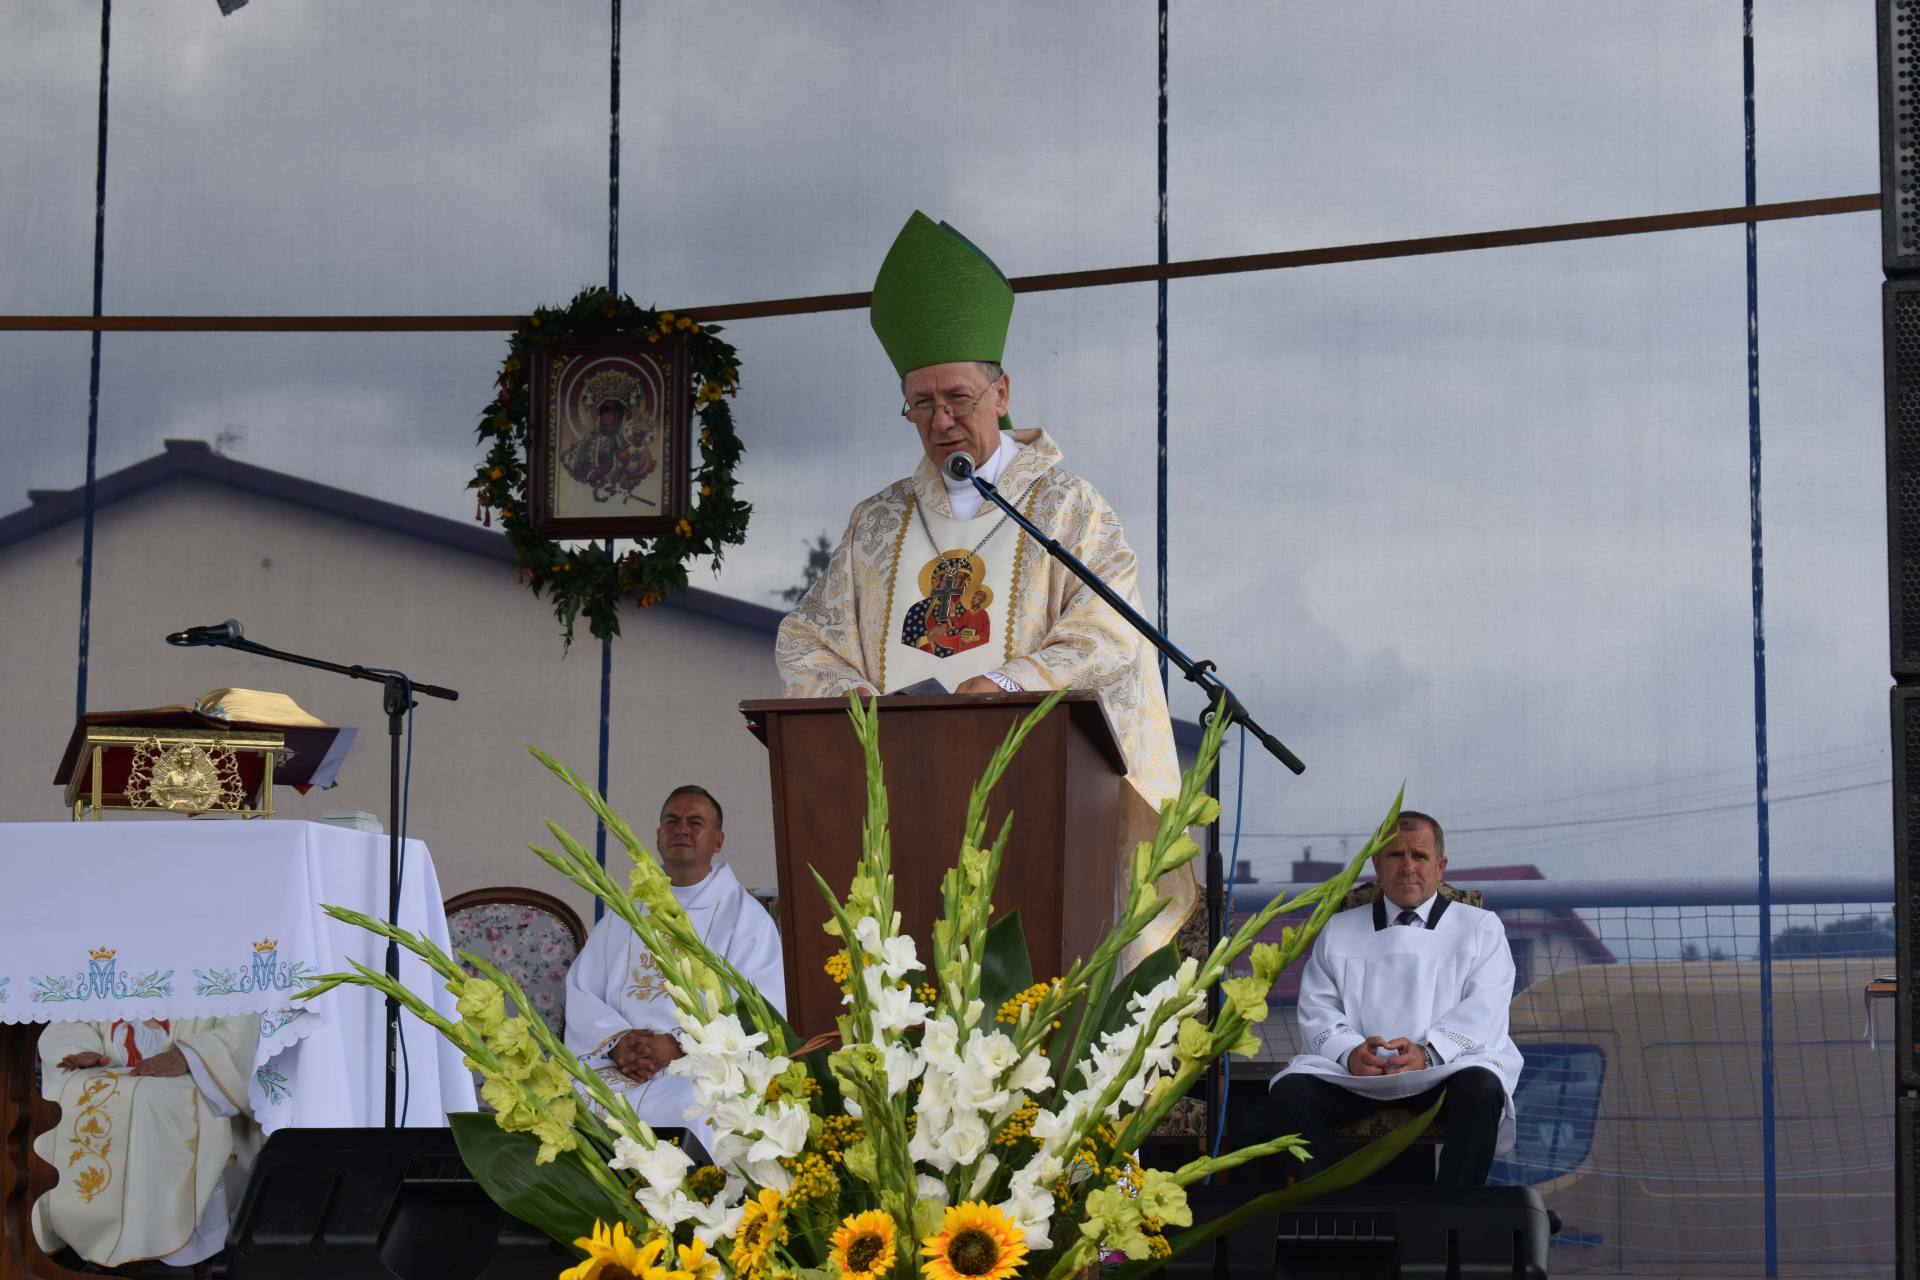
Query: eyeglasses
pixel 958 407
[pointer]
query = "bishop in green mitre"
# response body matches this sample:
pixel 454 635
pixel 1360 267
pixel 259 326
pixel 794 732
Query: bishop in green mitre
pixel 932 582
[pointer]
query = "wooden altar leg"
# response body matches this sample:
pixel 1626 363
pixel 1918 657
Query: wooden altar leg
pixel 23 1175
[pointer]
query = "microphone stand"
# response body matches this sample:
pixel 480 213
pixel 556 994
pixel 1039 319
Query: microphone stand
pixel 1219 698
pixel 1200 673
pixel 397 704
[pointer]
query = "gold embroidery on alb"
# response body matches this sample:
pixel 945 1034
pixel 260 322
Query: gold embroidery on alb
pixel 647 981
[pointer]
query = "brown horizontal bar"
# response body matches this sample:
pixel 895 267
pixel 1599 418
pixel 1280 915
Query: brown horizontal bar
pixel 1734 215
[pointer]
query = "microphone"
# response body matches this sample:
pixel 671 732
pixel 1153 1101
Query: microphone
pixel 221 634
pixel 959 466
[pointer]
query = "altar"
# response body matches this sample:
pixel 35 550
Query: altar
pixel 178 919
pixel 184 919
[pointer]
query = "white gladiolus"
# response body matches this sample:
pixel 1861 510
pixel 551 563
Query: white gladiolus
pixel 784 1135
pixel 1031 1206
pixel 664 1167
pixel 760 1070
pixel 931 1189
pixel 894 1008
pixel 982 1176
pixel 992 1052
pixel 719 1218
pixel 722 1036
pixel 668 1208
pixel 940 1043
pixel 894 957
pixel 903 1067
pixel 1033 1074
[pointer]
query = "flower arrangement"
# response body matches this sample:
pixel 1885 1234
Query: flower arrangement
pixel 970 1123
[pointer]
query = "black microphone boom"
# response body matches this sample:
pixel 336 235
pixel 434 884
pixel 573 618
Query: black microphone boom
pixel 225 633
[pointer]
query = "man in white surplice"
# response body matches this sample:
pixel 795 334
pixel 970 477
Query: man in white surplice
pixel 1398 1001
pixel 619 1017
pixel 153 1124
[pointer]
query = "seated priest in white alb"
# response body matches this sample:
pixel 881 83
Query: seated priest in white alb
pixel 1401 1002
pixel 619 1016
pixel 154 1122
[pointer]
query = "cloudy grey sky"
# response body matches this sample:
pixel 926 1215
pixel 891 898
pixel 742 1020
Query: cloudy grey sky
pixel 1478 521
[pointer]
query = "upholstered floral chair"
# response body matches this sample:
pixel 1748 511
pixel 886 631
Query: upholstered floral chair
pixel 532 935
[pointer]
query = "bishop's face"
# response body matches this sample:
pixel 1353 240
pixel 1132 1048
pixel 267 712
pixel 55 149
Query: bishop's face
pixel 939 387
pixel 1410 868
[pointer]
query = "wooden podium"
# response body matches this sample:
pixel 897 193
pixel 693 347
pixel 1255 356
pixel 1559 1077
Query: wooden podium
pixel 1064 790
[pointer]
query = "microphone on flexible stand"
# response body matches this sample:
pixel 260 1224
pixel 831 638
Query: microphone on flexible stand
pixel 225 633
pixel 959 466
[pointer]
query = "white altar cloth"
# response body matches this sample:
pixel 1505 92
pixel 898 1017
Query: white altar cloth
pixel 179 919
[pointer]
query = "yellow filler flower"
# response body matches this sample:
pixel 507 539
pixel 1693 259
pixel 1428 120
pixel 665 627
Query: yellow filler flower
pixel 976 1242
pixel 863 1245
pixel 611 1255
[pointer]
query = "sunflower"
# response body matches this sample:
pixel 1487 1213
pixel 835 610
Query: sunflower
pixel 760 1229
pixel 863 1245
pixel 975 1242
pixel 695 1263
pixel 611 1255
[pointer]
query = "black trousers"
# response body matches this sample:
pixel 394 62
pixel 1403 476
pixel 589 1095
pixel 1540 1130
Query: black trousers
pixel 1313 1106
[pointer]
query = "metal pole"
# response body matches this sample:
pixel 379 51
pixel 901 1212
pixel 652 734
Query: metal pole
pixel 93 372
pixel 1768 1137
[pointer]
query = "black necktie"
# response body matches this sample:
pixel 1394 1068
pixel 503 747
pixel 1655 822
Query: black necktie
pixel 1407 917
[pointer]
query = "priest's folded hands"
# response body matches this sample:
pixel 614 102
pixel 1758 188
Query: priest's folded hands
pixel 1382 1057
pixel 641 1053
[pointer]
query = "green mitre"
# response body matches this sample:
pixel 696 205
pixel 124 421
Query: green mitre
pixel 939 299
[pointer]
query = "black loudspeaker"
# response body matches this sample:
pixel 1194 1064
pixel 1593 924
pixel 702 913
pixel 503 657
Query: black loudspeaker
pixel 1906 882
pixel 1490 1233
pixel 1899 38
pixel 340 1204
pixel 1906 1187
pixel 1900 322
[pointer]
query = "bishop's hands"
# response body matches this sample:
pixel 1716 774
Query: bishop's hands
pixel 640 1054
pixel 1379 1056
pixel 82 1061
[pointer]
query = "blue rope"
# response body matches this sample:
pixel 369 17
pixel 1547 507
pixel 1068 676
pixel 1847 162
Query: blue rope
pixel 1160 511
pixel 1226 927
pixel 1768 1143
pixel 93 372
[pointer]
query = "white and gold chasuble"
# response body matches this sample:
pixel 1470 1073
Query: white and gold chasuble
pixel 615 985
pixel 855 628
pixel 142 1159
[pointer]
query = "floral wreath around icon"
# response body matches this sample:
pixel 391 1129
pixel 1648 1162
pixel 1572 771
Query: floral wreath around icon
pixel 586 578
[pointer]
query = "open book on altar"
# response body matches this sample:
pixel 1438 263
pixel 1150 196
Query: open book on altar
pixel 217 753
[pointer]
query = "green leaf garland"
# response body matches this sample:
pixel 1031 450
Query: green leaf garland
pixel 587 580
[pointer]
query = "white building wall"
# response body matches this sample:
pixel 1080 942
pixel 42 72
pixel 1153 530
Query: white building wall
pixel 190 551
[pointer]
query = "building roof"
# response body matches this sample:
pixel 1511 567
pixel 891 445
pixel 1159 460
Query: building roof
pixel 48 509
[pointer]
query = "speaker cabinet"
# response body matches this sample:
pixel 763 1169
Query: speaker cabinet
pixel 1906 878
pixel 339 1204
pixel 1899 39
pixel 1494 1233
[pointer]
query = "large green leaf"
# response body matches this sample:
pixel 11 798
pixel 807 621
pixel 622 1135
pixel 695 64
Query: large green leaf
pixel 558 1198
pixel 1362 1164
pixel 1005 970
